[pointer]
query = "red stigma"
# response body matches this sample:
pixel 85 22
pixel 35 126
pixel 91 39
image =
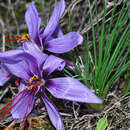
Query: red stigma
pixel 13 40
pixel 8 75
pixel 10 40
pixel 29 102
pixel 22 92
pixel 18 79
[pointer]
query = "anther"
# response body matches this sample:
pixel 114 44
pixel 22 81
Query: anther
pixel 32 79
pixel 32 86
pixel 25 37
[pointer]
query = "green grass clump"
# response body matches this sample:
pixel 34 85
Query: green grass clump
pixel 109 58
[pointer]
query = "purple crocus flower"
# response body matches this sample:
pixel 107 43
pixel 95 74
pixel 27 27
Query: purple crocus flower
pixel 34 71
pixel 45 38
pixel 31 48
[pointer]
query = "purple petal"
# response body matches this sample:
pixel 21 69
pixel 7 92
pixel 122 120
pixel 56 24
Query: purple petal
pixel 51 64
pixel 33 21
pixel 3 76
pixel 58 32
pixel 8 56
pixel 54 20
pixel 19 69
pixel 52 112
pixel 33 49
pixel 31 61
pixel 20 64
pixel 71 89
pixel 42 30
pixel 23 105
pixel 39 22
pixel 65 43
pixel 21 86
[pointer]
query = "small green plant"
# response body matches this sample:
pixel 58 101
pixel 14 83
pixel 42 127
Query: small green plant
pixel 109 58
pixel 110 52
pixel 102 124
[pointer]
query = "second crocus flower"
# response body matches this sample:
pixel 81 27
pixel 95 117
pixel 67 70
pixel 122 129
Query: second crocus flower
pixel 51 38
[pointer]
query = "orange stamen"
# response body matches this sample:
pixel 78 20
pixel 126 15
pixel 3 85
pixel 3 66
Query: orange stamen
pixel 32 86
pixel 25 37
pixel 32 79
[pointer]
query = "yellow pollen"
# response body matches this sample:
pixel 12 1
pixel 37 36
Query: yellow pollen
pixel 32 86
pixel 32 79
pixel 35 77
pixel 25 37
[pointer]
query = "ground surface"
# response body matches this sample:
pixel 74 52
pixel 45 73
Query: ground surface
pixel 76 116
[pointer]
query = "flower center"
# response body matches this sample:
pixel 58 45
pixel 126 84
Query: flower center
pixel 35 77
pixel 25 37
pixel 33 82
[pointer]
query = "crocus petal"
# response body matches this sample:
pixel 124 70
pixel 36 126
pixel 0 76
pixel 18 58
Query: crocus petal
pixel 33 49
pixel 19 69
pixel 8 56
pixel 20 109
pixel 52 112
pixel 33 21
pixel 41 31
pixel 65 43
pixel 54 20
pixel 3 76
pixel 58 32
pixel 71 89
pixel 19 64
pixel 39 22
pixel 51 64
pixel 21 86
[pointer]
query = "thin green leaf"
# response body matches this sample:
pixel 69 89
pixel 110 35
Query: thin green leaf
pixel 93 35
